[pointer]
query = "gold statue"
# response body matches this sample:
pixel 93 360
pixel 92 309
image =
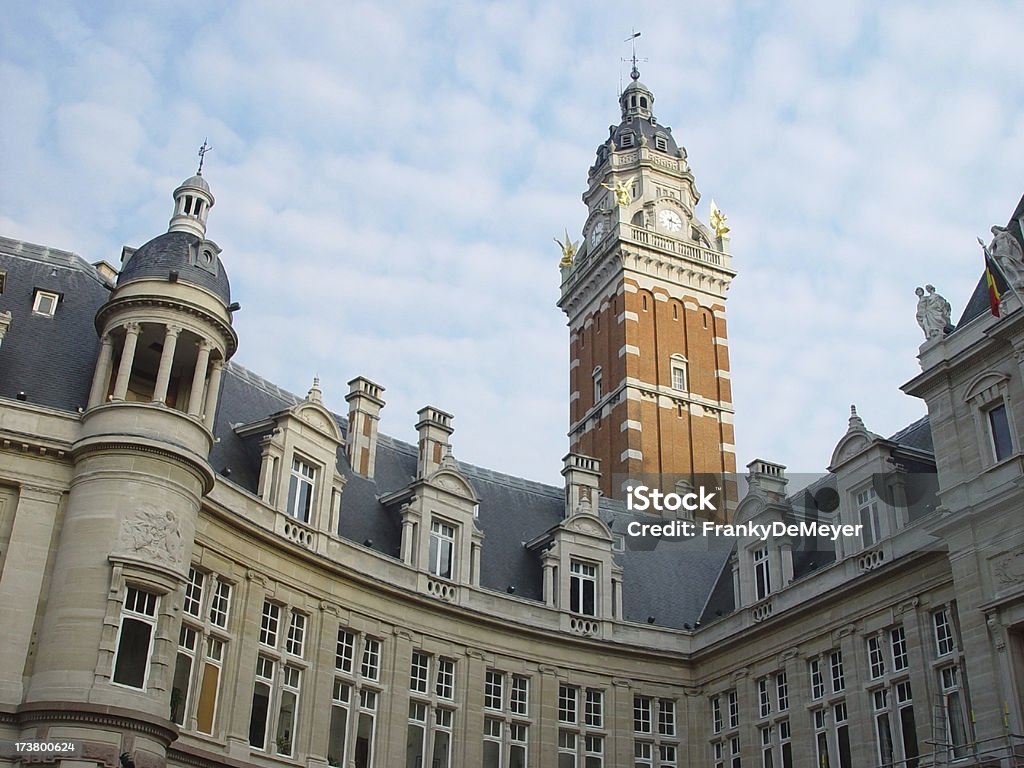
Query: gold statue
pixel 568 250
pixel 718 222
pixel 622 190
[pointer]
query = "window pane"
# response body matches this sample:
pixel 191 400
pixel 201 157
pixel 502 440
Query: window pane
pixel 492 755
pixel 258 718
pixel 414 746
pixel 179 689
pixel 132 653
pixel 364 740
pixel 208 698
pixel 336 736
pixel 1000 432
pixel 442 746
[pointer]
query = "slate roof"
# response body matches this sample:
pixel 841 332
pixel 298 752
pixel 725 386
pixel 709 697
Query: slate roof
pixel 50 359
pixel 675 583
pixel 174 251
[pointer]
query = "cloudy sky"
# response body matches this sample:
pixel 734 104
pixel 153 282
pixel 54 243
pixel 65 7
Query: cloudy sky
pixel 389 177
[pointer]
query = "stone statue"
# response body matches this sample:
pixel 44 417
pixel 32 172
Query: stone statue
pixel 718 222
pixel 933 313
pixel 1005 251
pixel 622 190
pixel 568 250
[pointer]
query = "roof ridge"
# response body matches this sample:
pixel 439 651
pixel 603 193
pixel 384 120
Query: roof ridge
pixel 46 255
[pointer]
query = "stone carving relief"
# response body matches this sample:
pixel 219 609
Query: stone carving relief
pixel 152 534
pixel 1008 570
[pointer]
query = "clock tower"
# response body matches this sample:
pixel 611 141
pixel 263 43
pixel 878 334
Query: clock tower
pixel 650 392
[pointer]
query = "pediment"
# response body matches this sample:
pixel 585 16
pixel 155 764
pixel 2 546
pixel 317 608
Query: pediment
pixel 985 386
pixel 588 525
pixel 853 444
pixel 748 509
pixel 453 482
pixel 317 417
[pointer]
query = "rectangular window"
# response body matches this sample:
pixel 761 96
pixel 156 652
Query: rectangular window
pixel 867 509
pixel 883 727
pixel 518 736
pixel 301 486
pixel 641 714
pixel 593 712
pixel 219 604
pixel 679 375
pixel 785 745
pixel 493 730
pixel 419 677
pixel 716 714
pixel 838 678
pixel 493 685
pixel 666 717
pixel 259 716
pixel 370 668
pixel 643 754
pixel 366 727
pixel 442 549
pixel 269 623
pixel 762 576
pixel 345 650
pixel 876 661
pixel 908 728
pixel 445 685
pixel 817 681
pixel 999 424
pixel 209 686
pixel 337 732
pixel 944 643
pixel 568 701
pixel 519 700
pixel 181 685
pixel 668 755
pixel 566 749
pixel 296 634
pixel 583 588
pixel 734 748
pixel 764 698
pixel 821 739
pixel 135 638
pixel 288 709
pixel 900 660
pixel 593 751
pixel 782 691
pixel 767 758
pixel 955 711
pixel 842 736
pixel 194 592
pixel 734 710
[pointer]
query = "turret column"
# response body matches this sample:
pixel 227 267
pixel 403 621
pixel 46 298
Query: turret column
pixel 124 369
pixel 101 378
pixel 214 392
pixel 195 400
pixel 163 374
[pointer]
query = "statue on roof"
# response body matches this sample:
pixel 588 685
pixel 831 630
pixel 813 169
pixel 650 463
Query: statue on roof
pixel 1006 252
pixel 933 313
pixel 568 250
pixel 622 189
pixel 718 224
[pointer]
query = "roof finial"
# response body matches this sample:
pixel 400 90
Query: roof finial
pixel 634 73
pixel 202 156
pixel 856 423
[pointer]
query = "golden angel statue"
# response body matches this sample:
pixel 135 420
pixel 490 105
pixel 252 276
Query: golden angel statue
pixel 622 189
pixel 568 250
pixel 718 224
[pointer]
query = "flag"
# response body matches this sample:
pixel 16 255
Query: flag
pixel 990 282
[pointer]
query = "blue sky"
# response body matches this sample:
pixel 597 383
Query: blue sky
pixel 389 178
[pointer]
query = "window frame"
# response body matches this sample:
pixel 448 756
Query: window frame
pixel 37 300
pixel 142 617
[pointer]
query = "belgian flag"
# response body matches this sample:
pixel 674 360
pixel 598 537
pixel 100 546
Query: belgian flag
pixel 994 295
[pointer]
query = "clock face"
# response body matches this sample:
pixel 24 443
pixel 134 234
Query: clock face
pixel 669 220
pixel 598 232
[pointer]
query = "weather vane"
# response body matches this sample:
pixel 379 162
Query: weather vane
pixel 202 156
pixel 634 73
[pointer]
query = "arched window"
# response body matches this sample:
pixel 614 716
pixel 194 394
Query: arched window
pixel 678 367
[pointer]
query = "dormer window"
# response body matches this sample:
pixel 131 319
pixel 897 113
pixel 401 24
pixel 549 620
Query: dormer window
pixel 442 549
pixel 626 140
pixel 660 143
pixel 583 588
pixel 762 575
pixel 45 303
pixel 301 489
pixel 870 519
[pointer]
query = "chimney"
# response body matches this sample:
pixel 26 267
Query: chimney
pixel 364 404
pixel 582 477
pixel 434 428
pixel 770 477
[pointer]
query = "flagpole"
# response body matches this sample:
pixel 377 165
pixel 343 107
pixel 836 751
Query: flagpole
pixel 990 262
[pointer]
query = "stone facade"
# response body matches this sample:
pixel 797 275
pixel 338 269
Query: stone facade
pixel 200 569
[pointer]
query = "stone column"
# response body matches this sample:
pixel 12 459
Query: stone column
pixel 250 606
pixel 163 374
pixel 195 398
pixel 124 369
pixel 266 481
pixel 101 377
pixel 213 393
pixel 549 581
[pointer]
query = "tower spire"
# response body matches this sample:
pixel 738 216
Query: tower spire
pixel 202 156
pixel 634 72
